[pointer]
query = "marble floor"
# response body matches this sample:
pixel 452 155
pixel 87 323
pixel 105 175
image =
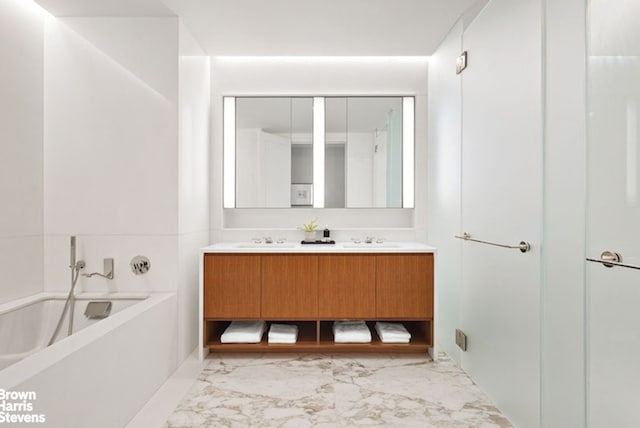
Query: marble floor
pixel 301 390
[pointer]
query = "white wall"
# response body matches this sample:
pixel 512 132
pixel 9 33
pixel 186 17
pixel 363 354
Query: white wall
pixel 110 158
pixel 193 183
pixel 444 163
pixel 563 329
pixel 317 76
pixel 21 137
pixel 613 210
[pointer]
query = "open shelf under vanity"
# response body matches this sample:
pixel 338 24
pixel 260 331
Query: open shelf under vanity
pixel 317 336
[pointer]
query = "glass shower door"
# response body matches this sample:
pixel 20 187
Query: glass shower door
pixel 613 218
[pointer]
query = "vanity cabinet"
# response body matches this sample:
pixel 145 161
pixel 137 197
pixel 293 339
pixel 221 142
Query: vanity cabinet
pixel 289 287
pixel 312 290
pixel 347 286
pixel 232 286
pixel 404 286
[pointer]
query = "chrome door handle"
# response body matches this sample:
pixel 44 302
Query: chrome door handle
pixel 610 259
pixel 607 258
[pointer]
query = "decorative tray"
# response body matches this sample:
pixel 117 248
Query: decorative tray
pixel 318 242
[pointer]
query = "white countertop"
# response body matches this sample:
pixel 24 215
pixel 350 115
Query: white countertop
pixel 339 247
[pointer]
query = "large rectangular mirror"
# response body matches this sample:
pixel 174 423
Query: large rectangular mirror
pixel 363 152
pixel 273 165
pixel 323 152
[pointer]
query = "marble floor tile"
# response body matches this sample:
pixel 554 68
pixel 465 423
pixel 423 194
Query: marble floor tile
pixel 308 390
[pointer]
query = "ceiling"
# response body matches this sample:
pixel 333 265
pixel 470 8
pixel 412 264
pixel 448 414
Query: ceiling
pixel 295 27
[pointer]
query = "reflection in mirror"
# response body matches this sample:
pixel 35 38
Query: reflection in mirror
pixel 362 156
pixel 335 143
pixel 273 143
pixel 364 152
pixel 302 152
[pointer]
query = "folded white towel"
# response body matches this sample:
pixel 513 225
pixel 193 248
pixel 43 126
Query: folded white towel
pixel 392 332
pixel 243 332
pixel 283 333
pixel 351 332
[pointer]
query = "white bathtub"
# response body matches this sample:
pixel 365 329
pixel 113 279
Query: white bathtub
pixel 26 328
pixel 103 373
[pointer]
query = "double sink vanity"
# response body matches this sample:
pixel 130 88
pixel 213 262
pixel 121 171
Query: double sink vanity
pixel 312 286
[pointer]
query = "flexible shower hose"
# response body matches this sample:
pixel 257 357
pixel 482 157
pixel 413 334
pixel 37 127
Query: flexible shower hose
pixel 74 279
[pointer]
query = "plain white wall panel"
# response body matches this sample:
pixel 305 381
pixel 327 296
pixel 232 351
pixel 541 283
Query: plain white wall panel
pixel 193 182
pixel 111 145
pixel 111 136
pixel 613 211
pixel 21 157
pixel 563 329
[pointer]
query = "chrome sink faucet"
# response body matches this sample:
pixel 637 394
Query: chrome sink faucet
pixel 266 240
pixel 368 240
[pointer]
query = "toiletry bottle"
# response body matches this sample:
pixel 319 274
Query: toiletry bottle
pixel 326 234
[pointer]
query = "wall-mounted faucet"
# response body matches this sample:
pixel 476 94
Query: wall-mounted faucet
pixel 107 269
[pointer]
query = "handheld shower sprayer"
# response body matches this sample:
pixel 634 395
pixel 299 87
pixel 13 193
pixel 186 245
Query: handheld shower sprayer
pixel 72 260
pixel 73 264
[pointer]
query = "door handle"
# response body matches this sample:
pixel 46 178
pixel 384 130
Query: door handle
pixel 610 259
pixel 607 258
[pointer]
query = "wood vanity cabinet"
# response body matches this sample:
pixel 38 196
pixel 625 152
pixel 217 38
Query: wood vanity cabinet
pixel 347 286
pixel 312 290
pixel 289 287
pixel 404 286
pixel 232 286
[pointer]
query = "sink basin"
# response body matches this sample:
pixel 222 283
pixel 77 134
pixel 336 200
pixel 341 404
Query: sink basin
pixel 361 245
pixel 265 246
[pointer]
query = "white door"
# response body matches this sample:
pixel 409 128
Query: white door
pixel 613 218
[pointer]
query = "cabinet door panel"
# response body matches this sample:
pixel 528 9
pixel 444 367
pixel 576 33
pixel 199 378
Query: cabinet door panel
pixel 289 286
pixel 231 286
pixel 346 286
pixel 404 286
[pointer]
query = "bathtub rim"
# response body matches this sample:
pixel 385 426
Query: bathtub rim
pixel 21 371
pixel 15 304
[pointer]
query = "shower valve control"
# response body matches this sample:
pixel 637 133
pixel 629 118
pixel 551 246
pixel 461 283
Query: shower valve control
pixel 140 265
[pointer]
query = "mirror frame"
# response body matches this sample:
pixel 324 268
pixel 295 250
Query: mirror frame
pixel 229 150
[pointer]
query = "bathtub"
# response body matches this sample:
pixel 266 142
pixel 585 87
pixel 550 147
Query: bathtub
pixel 26 328
pixel 99 376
